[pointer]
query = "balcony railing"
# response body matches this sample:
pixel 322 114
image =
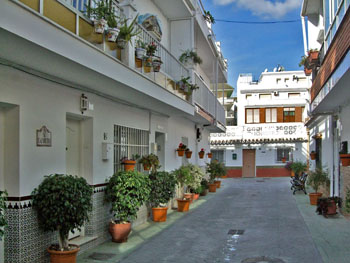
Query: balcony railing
pixel 220 113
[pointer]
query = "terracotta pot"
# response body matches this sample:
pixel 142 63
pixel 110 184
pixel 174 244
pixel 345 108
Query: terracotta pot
pixel 159 214
pixel 180 152
pixel 212 188
pixel 307 71
pixel 292 174
pixel 129 165
pixel 313 155
pixel 201 155
pixel 204 192
pixel 138 63
pixel 313 56
pixel 195 196
pixel 313 198
pixel 64 256
pixel 146 167
pixel 345 159
pixel 188 154
pixel 210 155
pixel 284 160
pixel 332 208
pixel 218 183
pixel 119 232
pixel 183 205
pixel 189 196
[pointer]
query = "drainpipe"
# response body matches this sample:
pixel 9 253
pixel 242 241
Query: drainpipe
pixel 304 34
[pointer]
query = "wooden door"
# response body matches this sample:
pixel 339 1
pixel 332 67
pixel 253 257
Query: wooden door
pixel 248 163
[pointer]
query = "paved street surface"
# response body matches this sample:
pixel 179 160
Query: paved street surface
pixel 273 229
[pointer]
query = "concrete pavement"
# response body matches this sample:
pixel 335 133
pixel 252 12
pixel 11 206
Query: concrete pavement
pixel 264 210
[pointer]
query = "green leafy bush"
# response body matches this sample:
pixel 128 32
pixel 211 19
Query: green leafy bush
pixel 3 223
pixel 298 167
pixel 127 191
pixel 215 169
pixel 183 175
pixel 162 188
pixel 63 203
pixel 317 178
pixel 150 160
pixel 197 175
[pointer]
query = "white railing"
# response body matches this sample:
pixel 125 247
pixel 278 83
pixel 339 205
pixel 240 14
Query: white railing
pixel 220 114
pixel 204 97
pixel 171 66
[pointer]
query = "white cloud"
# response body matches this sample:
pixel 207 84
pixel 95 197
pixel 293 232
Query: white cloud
pixel 264 8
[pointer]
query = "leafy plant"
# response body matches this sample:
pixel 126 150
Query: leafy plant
pixel 162 188
pixel 183 175
pixel 63 203
pixel 101 11
pixel 208 17
pixel 215 169
pixel 134 157
pixel 151 49
pixel 3 222
pixel 188 55
pixel 303 61
pixel 298 167
pixel 128 31
pixel 182 146
pixel 288 165
pixel 140 44
pixel 127 191
pixel 317 178
pixel 150 160
pixel 197 175
pixel 204 184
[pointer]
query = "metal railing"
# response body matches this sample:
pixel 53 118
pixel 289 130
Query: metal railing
pixel 171 66
pixel 204 97
pixel 220 113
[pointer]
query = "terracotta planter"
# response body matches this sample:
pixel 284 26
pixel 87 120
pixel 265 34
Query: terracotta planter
pixel 284 160
pixel 183 205
pixel 189 196
pixel 204 192
pixel 292 174
pixel 210 155
pixel 129 165
pixel 146 167
pixel 313 198
pixel 313 56
pixel 64 256
pixel 218 183
pixel 119 232
pixel 188 154
pixel 332 208
pixel 138 63
pixel 313 155
pixel 212 188
pixel 180 152
pixel 201 155
pixel 307 71
pixel 159 214
pixel 345 159
pixel 195 196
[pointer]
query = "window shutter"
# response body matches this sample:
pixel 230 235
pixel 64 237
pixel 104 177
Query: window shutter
pixel 298 114
pixel 280 114
pixel 262 115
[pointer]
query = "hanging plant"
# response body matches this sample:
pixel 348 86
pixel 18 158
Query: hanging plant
pixel 208 17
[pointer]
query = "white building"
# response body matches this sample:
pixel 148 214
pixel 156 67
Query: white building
pixel 328 31
pixel 51 62
pixel 270 115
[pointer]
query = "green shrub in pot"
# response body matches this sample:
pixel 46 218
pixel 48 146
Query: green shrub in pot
pixel 162 188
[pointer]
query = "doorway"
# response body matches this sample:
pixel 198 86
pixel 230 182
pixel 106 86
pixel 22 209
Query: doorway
pixel 160 142
pixel 248 169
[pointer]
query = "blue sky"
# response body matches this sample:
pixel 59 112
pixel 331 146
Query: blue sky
pixel 252 48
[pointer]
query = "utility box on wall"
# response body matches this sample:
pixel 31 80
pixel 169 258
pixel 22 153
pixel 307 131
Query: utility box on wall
pixel 107 151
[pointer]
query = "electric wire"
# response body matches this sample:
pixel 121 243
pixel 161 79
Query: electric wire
pixel 257 22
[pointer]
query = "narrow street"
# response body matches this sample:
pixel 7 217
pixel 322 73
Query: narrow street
pixel 266 211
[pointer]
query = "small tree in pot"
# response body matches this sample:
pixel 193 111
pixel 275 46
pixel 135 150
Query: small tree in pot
pixel 194 184
pixel 215 170
pixel 162 190
pixel 183 177
pixel 3 222
pixel 315 179
pixel 63 203
pixel 298 168
pixel 127 191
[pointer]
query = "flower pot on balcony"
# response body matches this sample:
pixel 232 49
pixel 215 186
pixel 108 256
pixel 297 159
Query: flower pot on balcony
pixel 148 65
pixel 210 155
pixel 156 63
pixel 313 155
pixel 138 63
pixel 313 56
pixel 129 165
pixel 121 43
pixel 140 53
pixel 112 34
pixel 100 26
pixel 307 71
pixel 345 159
pixel 188 154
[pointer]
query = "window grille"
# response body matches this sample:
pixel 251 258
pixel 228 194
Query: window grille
pixel 283 152
pixel 218 155
pixel 128 142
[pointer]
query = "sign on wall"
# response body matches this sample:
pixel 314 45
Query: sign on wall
pixel 43 137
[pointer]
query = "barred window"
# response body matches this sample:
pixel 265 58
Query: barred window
pixel 283 152
pixel 218 155
pixel 128 142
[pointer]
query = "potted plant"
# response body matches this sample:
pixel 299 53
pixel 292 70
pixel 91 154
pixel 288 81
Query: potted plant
pixel 127 191
pixel 194 184
pixel 344 158
pixel 216 170
pixel 188 153
pixel 205 187
pixel 328 205
pixel 288 166
pixel 156 63
pixel 129 164
pixel 3 222
pixel 151 49
pixel 100 14
pixel 127 32
pixel 315 179
pixel 313 155
pixel 183 177
pixel 208 17
pixel 181 149
pixel 313 56
pixel 113 29
pixel 63 203
pixel 304 62
pixel 210 155
pixel 140 49
pixel 190 58
pixel 284 159
pixel 298 167
pixel 162 190
pixel 150 161
pixel 201 153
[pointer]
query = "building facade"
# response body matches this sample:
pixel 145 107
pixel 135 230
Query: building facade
pixel 270 115
pixel 328 32
pixel 73 103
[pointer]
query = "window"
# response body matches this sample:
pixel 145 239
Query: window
pixel 283 152
pixel 289 115
pixel 271 115
pixel 293 95
pixel 252 116
pixel 218 155
pixel 248 96
pixel 127 142
pixel 265 96
pixel 278 81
